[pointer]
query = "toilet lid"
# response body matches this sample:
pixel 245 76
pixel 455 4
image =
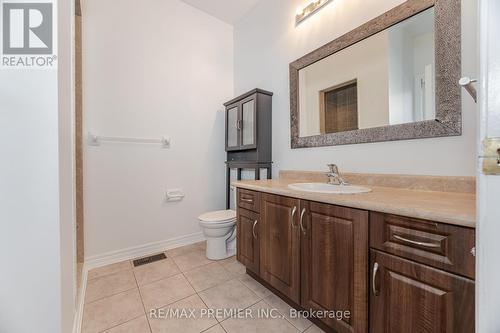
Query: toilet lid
pixel 218 216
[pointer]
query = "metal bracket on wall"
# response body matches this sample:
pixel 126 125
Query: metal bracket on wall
pixel 491 157
pixel 467 84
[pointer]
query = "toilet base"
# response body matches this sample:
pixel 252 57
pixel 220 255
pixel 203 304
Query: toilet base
pixel 218 248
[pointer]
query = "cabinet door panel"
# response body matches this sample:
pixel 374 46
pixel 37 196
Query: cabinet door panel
pixel 248 239
pixel 248 128
pixel 280 245
pixel 410 297
pixel 232 125
pixel 334 264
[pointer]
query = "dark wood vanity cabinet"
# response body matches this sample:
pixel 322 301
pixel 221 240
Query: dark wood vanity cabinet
pixel 248 233
pixel 334 263
pixel 280 244
pixel 411 297
pixel 424 280
pixel 389 273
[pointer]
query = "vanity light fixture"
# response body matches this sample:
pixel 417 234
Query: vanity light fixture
pixel 313 7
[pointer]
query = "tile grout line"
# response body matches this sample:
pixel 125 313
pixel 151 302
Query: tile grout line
pixel 199 296
pixel 114 326
pixel 197 293
pixel 162 278
pixel 259 300
pixel 234 276
pixel 115 294
pixel 218 324
pixel 109 328
pixel 284 315
pixel 142 302
pixel 195 267
pixel 108 274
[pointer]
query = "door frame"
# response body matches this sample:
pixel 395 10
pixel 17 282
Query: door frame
pixel 488 191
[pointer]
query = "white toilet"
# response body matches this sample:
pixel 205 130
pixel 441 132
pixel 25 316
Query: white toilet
pixel 219 228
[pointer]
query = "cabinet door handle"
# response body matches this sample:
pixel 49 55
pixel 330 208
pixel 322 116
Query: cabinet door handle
pixel 294 210
pixel 406 240
pixel 374 276
pixel 304 230
pixel 247 200
pixel 253 229
pixel 238 124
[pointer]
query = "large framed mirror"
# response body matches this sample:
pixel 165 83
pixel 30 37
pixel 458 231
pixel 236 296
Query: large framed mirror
pixel 393 78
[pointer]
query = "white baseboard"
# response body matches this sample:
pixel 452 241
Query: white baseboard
pixel 122 255
pixel 142 250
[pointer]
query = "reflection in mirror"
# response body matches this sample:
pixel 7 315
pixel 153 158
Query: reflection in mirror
pixel 386 79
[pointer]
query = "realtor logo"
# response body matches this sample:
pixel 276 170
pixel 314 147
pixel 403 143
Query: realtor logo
pixel 27 34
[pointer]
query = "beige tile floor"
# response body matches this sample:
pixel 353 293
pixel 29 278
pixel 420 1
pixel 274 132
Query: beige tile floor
pixel 119 298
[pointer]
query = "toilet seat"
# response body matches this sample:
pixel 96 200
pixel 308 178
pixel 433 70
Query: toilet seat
pixel 218 217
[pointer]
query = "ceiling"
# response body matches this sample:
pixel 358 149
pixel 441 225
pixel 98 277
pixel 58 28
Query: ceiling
pixel 229 11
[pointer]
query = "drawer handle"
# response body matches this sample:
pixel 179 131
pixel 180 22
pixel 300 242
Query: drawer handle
pixel 431 245
pixel 294 210
pixel 304 230
pixel 374 276
pixel 247 200
pixel 253 229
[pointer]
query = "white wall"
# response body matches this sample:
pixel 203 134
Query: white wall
pixel 266 41
pixel 152 68
pixel 36 224
pixel 29 202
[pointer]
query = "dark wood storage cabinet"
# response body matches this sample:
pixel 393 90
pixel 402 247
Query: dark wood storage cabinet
pixel 248 135
pixel 416 277
pixel 249 127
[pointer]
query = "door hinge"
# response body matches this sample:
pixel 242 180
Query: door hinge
pixel 491 157
pixel 473 251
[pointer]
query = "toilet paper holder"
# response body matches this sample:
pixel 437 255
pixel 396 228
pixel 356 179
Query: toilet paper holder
pixel 174 195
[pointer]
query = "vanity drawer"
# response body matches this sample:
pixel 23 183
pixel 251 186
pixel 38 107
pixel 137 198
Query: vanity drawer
pixel 439 245
pixel 249 200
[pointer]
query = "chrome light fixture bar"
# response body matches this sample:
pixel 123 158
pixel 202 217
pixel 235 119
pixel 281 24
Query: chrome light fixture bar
pixel 313 7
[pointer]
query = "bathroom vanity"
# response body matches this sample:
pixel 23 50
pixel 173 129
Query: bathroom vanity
pixel 397 259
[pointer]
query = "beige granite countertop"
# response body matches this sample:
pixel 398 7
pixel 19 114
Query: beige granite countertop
pixel 446 207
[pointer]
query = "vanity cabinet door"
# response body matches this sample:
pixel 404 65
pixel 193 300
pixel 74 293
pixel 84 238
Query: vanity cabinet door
pixel 411 297
pixel 280 244
pixel 334 264
pixel 248 239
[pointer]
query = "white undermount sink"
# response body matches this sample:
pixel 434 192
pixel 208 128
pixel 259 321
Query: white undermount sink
pixel 328 188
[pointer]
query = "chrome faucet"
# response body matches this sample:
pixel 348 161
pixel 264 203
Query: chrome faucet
pixel 334 177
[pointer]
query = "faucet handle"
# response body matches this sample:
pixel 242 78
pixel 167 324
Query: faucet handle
pixel 333 168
